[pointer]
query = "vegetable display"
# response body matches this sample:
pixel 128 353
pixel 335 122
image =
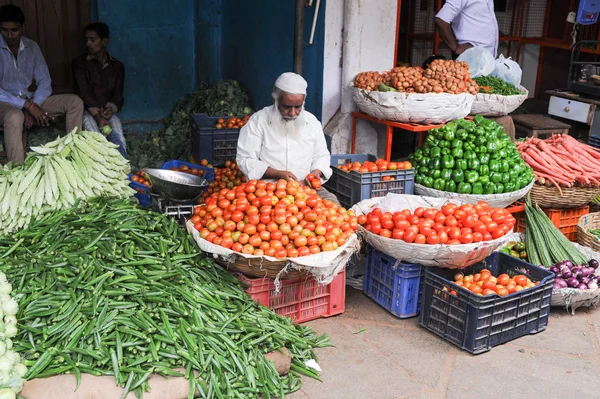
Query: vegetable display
pixel 582 277
pixel 445 76
pixel 494 85
pixel 470 157
pixel 111 289
pixel 232 123
pixel 227 177
pixel 79 165
pixel 546 245
pixel 11 368
pixel 451 225
pixel 377 166
pixel 283 219
pixel 516 250
pixel 484 283
pixel 562 161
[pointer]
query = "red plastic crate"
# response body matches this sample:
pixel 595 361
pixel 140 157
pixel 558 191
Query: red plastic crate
pixel 301 299
pixel 564 219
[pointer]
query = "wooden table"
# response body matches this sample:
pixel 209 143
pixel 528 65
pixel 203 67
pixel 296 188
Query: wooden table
pixel 538 125
pixel 411 127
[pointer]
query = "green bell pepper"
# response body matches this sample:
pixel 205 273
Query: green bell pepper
pixel 435 163
pixel 458 175
pixel 518 167
pixel 480 141
pixel 462 164
pixel 492 146
pixel 446 151
pixel 478 119
pixel 423 171
pixel 514 176
pixel 456 143
pixel 446 174
pixel 471 176
pixel 435 151
pixel 495 177
pixel 477 188
pixel 499 187
pixel 494 166
pixel 469 155
pixel 468 146
pixel 449 135
pixel 464 188
pixel 484 158
pixel 482 149
pixel 436 173
pixel 450 186
pixel 461 134
pixel 523 181
pixel 439 184
pixel 510 187
pixel 474 164
pixel 489 188
pixel 484 179
pixel 444 144
pixel 424 161
pixel 448 162
pixel 505 178
pixel 504 165
pixel 419 179
pixel 502 153
pixel 428 182
pixel 457 153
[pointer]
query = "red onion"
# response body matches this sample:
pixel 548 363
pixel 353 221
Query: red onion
pixel 593 285
pixel 573 282
pixel 593 263
pixel 561 282
pixel 555 269
pixel 585 280
pixel 567 274
pixel 582 286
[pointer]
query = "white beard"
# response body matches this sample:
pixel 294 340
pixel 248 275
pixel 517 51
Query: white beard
pixel 286 123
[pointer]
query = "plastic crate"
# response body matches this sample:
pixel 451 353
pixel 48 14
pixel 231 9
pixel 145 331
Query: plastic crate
pixel 209 173
pixel 394 285
pixel 564 219
pixel 301 299
pixel 353 187
pixel 214 145
pixel 142 192
pixel 477 323
pixel 594 141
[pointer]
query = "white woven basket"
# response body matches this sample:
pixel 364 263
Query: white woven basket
pixel 496 104
pixel 430 108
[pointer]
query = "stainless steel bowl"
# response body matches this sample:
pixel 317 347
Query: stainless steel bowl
pixel 176 186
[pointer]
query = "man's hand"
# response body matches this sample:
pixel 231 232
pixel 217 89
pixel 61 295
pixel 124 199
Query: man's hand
pixel 29 120
pixel 461 48
pixel 39 115
pixel 316 173
pixel 106 112
pixel 285 175
pixel 101 121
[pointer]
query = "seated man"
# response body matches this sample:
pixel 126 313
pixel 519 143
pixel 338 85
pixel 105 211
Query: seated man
pixel 99 81
pixel 284 141
pixel 21 62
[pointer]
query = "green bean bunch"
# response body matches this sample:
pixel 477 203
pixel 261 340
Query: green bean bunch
pixel 110 289
pixel 497 85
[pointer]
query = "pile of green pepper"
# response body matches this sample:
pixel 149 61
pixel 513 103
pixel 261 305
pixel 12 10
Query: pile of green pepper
pixel 470 157
pixel 516 250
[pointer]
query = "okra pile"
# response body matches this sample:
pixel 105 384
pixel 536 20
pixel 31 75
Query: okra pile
pixel 106 288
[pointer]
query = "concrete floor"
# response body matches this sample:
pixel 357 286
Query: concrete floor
pixel 396 358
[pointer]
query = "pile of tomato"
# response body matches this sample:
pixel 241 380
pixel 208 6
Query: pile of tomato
pixel 451 225
pixel 227 177
pixel 284 219
pixel 314 181
pixel 377 166
pixel 141 177
pixel 232 123
pixel 484 284
pixel 191 171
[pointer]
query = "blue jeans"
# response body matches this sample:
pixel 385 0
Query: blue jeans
pixel 116 137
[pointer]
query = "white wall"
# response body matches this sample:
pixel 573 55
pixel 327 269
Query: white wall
pixel 369 39
pixel 332 67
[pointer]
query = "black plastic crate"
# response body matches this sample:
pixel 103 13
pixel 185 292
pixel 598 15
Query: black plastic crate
pixel 353 187
pixel 477 323
pixel 203 121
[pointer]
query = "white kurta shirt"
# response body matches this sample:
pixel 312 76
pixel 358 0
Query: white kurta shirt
pixel 297 146
pixel 473 21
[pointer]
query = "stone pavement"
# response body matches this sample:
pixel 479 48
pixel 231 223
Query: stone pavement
pixel 396 358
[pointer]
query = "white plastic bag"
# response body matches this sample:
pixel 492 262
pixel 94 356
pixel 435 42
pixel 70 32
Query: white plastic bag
pixel 508 70
pixel 481 61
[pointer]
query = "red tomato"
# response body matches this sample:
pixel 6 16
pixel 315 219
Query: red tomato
pixel 503 279
pixel 466 230
pixel 470 221
pixel 479 227
pixel 398 234
pixel 466 238
pixel 443 237
pixel 409 235
pixel 433 239
pixel 376 228
pixel 460 214
pixel 419 212
pixel 402 224
pixel 487 236
pixel 440 217
pixel 477 237
pixel 451 221
pixel 420 239
pixel 425 230
pixel 454 233
pixel 429 213
pixel 387 224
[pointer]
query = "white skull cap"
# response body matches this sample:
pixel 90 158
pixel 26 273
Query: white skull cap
pixel 292 83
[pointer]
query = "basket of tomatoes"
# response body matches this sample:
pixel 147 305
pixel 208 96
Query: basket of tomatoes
pixel 433 231
pixel 142 186
pixel 275 229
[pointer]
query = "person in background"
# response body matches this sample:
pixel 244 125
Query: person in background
pixel 99 81
pixel 463 24
pixel 22 63
pixel 284 141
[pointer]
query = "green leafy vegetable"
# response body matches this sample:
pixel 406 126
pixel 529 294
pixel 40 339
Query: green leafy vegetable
pixel 494 85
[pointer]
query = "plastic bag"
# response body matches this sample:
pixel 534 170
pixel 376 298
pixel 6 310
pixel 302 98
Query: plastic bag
pixel 480 60
pixel 508 70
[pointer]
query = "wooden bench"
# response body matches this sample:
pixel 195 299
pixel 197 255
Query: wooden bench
pixel 538 125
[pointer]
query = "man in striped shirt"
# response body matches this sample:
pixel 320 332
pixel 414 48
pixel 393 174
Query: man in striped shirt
pixel 22 63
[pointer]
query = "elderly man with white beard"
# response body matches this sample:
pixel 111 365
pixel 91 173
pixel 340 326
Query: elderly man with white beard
pixel 284 141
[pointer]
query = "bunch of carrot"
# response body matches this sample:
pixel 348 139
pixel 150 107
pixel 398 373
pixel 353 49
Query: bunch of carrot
pixel 562 161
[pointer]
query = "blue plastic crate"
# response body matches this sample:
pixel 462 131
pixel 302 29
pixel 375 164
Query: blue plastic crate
pixel 209 173
pixel 395 285
pixel 353 187
pixel 142 192
pixel 478 323
pixel 594 141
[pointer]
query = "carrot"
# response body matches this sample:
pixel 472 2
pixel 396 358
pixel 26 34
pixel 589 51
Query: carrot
pixel 531 161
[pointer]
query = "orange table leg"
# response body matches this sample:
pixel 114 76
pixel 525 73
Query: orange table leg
pixel 421 136
pixel 388 144
pixel 353 147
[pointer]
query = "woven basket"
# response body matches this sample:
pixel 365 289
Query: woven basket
pixel 550 197
pixel 261 268
pixel 591 221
